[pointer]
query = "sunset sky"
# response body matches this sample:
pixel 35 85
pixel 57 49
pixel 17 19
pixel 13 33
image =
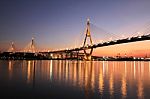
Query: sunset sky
pixel 59 24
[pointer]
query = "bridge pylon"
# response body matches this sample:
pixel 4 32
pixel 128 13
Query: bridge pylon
pixel 85 44
pixel 30 47
pixel 11 48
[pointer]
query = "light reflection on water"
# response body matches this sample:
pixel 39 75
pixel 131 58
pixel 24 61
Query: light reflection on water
pixel 81 79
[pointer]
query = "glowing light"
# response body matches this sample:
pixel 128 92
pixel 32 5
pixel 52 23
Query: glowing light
pixel 123 87
pixel 140 92
pixel 51 69
pixel 10 66
pixel 28 72
pixel 111 84
pixel 101 81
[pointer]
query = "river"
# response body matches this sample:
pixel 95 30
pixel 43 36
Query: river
pixel 62 79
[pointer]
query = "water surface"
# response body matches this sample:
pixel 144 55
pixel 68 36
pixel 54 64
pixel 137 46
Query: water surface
pixel 57 79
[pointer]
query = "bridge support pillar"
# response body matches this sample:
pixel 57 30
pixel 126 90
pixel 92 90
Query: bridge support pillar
pixel 86 46
pixel 87 57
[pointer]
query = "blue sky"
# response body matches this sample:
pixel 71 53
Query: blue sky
pixel 60 23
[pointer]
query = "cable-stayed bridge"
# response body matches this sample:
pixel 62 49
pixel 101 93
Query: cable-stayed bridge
pixel 84 52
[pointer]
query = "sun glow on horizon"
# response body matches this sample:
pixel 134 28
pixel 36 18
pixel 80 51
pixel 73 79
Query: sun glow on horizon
pixel 141 48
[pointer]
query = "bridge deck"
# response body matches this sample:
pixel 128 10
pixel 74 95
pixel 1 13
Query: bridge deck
pixel 108 43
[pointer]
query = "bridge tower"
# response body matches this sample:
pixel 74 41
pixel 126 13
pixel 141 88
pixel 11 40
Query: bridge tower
pixel 30 47
pixel 85 44
pixel 11 48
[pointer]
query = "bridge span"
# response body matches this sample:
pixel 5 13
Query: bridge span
pixel 107 43
pixel 73 53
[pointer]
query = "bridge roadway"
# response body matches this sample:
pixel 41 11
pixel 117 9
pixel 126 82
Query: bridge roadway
pixel 108 43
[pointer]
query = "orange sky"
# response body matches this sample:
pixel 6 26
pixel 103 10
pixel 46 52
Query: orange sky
pixel 131 49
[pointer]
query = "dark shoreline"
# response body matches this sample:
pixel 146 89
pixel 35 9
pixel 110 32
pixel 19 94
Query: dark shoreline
pixel 39 56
